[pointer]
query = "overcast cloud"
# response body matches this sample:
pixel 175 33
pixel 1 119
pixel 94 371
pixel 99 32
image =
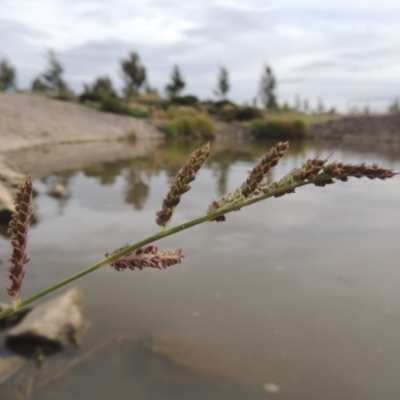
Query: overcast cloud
pixel 338 50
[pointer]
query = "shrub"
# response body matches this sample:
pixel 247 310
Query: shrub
pixel 139 112
pixel 276 128
pixel 151 100
pixel 189 100
pixel 114 105
pixel 215 107
pixel 247 113
pixel 223 103
pixel 99 91
pixel 66 95
pixel 232 113
pixel 198 127
pixel 228 111
pixel 119 106
pixel 182 111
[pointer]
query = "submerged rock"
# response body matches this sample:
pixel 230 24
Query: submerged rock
pixel 59 191
pixel 271 387
pixel 51 326
pixel 194 353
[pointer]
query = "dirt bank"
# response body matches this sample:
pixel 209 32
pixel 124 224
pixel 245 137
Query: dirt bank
pixel 27 121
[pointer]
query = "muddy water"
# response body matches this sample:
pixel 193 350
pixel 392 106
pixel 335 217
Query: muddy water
pixel 294 298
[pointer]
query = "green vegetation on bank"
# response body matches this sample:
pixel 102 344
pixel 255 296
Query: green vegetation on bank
pixel 118 106
pixel 279 128
pixel 198 127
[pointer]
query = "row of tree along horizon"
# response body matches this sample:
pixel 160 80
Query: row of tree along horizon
pixel 136 82
pixel 181 117
pixel 134 75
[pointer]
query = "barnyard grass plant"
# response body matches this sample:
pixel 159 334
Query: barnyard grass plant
pixel 144 254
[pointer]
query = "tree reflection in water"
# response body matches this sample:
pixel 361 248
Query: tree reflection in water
pixel 169 158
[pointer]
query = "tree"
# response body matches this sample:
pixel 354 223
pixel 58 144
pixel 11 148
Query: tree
pixel 306 105
pixel 103 87
pixel 133 74
pixel 177 83
pixel 223 85
pixel 150 90
pixel 394 108
pixel 267 89
pixel 297 102
pixel 7 76
pixel 286 107
pixel 320 106
pixel 53 75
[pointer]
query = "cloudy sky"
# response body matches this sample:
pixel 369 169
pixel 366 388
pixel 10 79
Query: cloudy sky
pixel 346 52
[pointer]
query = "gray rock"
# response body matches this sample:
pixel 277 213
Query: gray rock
pixel 51 326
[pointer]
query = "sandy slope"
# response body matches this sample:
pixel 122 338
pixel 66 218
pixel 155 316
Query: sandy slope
pixel 27 121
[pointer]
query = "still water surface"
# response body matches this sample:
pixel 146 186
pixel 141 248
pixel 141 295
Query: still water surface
pixel 294 298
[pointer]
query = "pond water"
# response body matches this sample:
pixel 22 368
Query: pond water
pixel 292 298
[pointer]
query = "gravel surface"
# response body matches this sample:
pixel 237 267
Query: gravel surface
pixel 375 128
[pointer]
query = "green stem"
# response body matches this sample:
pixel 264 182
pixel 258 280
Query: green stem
pixel 158 236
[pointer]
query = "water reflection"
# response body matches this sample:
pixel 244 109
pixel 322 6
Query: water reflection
pixel 303 290
pixel 137 191
pixel 138 172
pixel 106 173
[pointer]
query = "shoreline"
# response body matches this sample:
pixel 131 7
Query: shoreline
pixel 31 128
pixel 35 123
pixel 30 125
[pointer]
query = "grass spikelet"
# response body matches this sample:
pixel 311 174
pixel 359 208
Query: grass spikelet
pixel 256 180
pixel 180 185
pixel 147 257
pixel 18 228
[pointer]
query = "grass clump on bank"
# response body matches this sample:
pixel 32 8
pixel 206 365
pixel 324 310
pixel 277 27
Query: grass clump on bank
pixel 118 106
pixel 190 127
pixel 231 113
pixel 279 128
